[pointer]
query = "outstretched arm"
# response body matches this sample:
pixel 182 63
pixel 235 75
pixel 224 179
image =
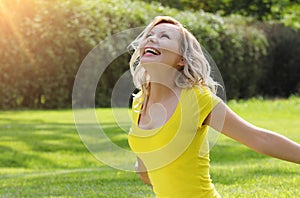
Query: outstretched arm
pixel 223 119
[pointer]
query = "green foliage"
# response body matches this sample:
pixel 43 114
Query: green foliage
pixel 237 47
pixel 291 15
pixel 281 75
pixel 285 11
pixel 43 44
pixel 41 49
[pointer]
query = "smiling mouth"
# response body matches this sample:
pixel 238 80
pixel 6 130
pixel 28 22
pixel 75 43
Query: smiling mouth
pixel 151 50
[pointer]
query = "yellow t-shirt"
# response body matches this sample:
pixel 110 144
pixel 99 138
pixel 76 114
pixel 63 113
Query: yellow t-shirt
pixel 176 154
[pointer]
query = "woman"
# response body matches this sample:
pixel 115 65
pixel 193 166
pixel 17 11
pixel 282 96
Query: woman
pixel 175 107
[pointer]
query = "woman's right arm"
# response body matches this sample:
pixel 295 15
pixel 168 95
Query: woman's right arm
pixel 264 141
pixel 141 170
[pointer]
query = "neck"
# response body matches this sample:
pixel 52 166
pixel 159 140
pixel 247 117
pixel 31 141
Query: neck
pixel 162 81
pixel 159 92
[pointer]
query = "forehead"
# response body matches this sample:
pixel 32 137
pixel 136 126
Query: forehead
pixel 166 27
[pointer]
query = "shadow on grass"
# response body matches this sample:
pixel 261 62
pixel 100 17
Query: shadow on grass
pixel 13 158
pixel 233 153
pixel 26 143
pixel 102 182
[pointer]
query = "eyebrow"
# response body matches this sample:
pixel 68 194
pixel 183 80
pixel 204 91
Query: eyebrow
pixel 164 32
pixel 160 32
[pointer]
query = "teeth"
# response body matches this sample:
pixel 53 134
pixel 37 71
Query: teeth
pixel 152 51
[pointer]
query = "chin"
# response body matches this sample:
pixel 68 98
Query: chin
pixel 149 60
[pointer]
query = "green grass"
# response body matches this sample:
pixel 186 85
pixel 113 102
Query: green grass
pixel 42 155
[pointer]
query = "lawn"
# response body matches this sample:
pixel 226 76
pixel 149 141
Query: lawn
pixel 42 155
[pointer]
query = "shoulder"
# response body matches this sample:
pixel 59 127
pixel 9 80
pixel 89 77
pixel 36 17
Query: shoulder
pixel 200 100
pixel 203 96
pixel 203 93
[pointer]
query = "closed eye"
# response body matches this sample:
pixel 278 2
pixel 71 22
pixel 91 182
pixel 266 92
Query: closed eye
pixel 165 35
pixel 148 35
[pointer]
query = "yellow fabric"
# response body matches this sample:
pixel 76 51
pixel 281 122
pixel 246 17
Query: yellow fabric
pixel 176 154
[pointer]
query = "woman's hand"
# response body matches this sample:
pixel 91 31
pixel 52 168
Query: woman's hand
pixel 141 170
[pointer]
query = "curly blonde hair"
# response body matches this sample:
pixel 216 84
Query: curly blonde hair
pixel 196 71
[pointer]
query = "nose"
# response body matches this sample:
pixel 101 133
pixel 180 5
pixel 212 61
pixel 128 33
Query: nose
pixel 152 39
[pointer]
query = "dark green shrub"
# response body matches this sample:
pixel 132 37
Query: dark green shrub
pixel 281 75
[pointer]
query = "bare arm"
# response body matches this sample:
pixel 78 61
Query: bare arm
pixel 223 119
pixel 141 170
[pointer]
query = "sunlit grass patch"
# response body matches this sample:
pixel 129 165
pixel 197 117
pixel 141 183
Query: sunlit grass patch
pixel 42 155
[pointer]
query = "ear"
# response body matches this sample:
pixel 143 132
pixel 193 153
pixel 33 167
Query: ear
pixel 181 63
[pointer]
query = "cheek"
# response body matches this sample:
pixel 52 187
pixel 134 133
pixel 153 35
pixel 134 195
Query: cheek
pixel 141 45
pixel 172 58
pixel 172 48
pixel 175 48
pixel 175 51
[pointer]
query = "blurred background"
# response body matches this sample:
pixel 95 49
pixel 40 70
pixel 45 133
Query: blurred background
pixel 255 44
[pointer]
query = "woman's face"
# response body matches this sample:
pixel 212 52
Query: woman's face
pixel 162 45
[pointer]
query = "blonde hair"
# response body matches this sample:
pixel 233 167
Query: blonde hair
pixel 196 71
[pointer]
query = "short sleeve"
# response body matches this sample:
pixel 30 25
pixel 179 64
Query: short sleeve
pixel 206 102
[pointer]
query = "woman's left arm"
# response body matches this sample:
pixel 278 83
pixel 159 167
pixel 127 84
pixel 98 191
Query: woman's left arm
pixel 223 119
